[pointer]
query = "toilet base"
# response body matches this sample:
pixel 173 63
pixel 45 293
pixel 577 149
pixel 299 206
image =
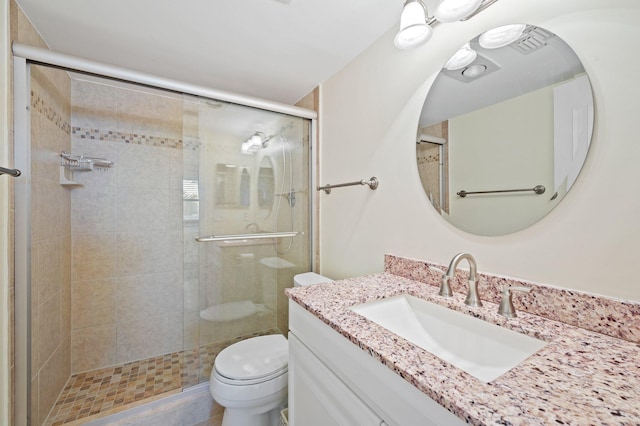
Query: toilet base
pixel 243 417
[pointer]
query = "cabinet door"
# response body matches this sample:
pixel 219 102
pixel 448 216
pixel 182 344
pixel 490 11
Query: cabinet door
pixel 317 397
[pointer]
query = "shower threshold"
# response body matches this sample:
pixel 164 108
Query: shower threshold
pixel 99 393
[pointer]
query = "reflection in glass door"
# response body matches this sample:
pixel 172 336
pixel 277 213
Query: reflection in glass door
pixel 246 181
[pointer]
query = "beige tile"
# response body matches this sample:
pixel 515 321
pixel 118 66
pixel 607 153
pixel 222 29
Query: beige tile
pixel 143 166
pixel 176 169
pixel 53 376
pixel 191 290
pixel 50 209
pixel 144 209
pixel 143 296
pixel 94 105
pixel 93 256
pixel 36 275
pixel 49 268
pixel 35 342
pixel 35 399
pixel 149 114
pixel 191 337
pixel 94 303
pixel 38 222
pixel 94 209
pixel 146 253
pixel 146 337
pixel 92 348
pixel 48 328
pixel 65 291
pixel 175 332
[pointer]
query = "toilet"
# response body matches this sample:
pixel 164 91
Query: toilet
pixel 249 378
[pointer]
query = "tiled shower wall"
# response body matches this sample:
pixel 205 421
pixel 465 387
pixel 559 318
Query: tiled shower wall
pixel 51 228
pixel 127 261
pixel 50 240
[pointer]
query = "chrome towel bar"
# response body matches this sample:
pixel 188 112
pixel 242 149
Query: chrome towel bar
pixel 538 189
pixel 256 236
pixel 373 184
pixel 10 172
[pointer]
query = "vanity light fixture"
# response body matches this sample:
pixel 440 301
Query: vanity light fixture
pixel 416 25
pixel 501 36
pixel 414 29
pixel 462 58
pixel 255 143
pixel 455 10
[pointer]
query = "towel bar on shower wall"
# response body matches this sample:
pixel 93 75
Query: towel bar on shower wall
pixel 373 184
pixel 10 172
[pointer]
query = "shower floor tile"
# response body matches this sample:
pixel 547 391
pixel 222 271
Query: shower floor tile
pixel 106 391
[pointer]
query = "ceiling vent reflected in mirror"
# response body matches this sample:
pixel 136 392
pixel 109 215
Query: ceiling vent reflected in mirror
pixel 533 38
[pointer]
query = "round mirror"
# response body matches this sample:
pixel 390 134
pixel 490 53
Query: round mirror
pixel 504 130
pixel 266 184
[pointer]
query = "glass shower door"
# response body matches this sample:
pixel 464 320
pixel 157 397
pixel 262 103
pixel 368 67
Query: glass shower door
pixel 246 221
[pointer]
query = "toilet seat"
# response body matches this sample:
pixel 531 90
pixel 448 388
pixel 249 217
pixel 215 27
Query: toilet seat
pixel 252 361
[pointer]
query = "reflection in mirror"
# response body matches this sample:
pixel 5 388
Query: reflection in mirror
pixel 266 183
pixel 514 117
pixel 232 186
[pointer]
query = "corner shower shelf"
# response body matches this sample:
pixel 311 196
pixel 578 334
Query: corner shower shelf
pixel 68 181
pixel 78 163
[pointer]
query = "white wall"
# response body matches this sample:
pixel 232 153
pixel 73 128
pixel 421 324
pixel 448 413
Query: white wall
pixel 370 113
pixel 484 155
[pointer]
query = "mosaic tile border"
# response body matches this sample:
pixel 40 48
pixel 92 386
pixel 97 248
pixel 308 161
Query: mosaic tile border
pixel 608 316
pixel 106 391
pixel 125 137
pixel 39 105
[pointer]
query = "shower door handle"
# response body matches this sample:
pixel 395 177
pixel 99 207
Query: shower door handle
pixel 10 172
pixel 255 236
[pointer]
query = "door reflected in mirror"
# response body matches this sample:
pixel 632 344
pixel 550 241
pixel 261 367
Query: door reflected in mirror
pixel 517 117
pixel 232 186
pixel 266 187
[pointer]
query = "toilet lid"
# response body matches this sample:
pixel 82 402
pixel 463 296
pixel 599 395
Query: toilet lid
pixel 253 358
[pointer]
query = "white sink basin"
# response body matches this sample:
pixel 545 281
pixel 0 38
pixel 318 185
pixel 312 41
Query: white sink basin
pixel 482 349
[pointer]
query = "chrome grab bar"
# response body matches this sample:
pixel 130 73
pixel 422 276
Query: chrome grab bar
pixel 373 184
pixel 538 189
pixel 256 236
pixel 10 172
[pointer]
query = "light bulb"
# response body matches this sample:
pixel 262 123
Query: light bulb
pixel 455 10
pixel 501 36
pixel 463 57
pixel 414 30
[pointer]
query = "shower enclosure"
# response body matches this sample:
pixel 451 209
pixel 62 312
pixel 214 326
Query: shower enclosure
pixel 154 227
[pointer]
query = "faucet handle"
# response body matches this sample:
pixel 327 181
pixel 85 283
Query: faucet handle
pixel 506 308
pixel 445 288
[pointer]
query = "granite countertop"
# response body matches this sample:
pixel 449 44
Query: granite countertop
pixel 580 377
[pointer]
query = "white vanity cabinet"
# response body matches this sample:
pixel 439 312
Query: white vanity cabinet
pixel 333 382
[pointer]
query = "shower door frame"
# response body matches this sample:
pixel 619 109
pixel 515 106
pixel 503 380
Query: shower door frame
pixel 23 57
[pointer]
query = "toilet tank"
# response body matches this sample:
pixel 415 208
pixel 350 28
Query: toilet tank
pixel 309 278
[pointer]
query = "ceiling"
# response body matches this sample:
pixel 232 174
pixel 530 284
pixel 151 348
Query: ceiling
pixel 511 72
pixel 273 49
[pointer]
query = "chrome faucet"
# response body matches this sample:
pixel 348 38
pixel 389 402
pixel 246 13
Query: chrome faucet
pixel 473 299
